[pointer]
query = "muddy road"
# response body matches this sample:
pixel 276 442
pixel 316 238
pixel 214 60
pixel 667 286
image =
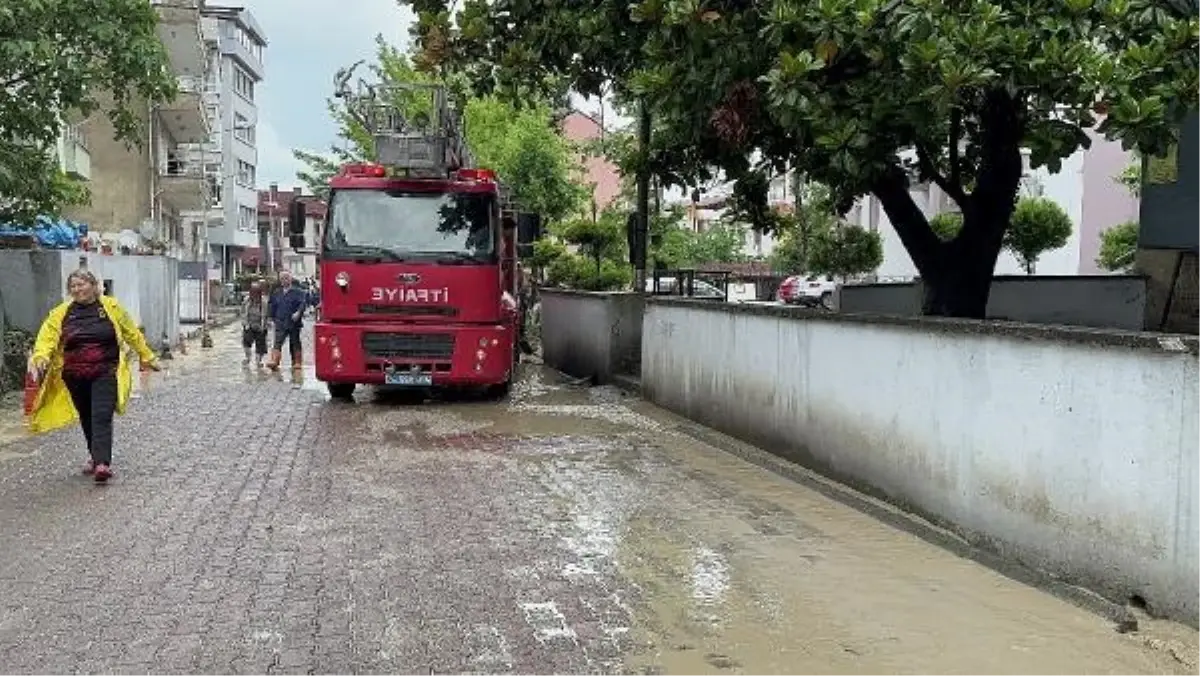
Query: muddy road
pixel 256 527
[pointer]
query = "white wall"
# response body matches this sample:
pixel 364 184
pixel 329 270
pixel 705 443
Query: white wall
pixel 1074 452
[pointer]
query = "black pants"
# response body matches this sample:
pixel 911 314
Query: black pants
pixel 256 338
pixel 291 334
pixel 95 400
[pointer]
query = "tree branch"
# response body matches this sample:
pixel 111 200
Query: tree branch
pixel 891 188
pixel 30 74
pixel 925 161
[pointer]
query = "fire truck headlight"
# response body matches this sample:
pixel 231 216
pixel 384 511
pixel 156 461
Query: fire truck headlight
pixel 480 355
pixel 342 279
pixel 483 342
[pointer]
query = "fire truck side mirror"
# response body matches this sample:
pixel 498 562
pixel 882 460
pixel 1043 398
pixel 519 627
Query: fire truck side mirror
pixel 296 218
pixel 508 223
pixel 529 227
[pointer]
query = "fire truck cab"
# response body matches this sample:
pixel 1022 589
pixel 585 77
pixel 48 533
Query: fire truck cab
pixel 417 264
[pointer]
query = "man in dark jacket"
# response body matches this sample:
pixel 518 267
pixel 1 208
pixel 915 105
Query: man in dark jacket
pixel 286 309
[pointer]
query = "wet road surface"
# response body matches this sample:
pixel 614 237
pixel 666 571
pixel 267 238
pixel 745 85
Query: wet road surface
pixel 255 527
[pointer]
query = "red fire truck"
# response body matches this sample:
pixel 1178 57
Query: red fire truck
pixel 417 261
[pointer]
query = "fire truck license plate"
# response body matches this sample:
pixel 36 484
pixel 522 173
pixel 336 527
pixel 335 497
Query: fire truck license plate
pixel 408 379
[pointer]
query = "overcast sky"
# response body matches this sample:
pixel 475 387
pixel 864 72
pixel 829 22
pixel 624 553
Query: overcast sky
pixel 307 41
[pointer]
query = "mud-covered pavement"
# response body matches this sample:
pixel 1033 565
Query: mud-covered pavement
pixel 256 527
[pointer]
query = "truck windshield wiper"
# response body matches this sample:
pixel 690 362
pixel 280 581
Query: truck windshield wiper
pixel 366 253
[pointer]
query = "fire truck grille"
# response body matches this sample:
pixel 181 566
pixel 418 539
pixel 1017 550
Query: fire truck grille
pixel 408 345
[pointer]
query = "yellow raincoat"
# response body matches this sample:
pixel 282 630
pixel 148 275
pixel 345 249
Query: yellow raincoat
pixel 52 408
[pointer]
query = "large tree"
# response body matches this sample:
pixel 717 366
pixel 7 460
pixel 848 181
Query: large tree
pixel 866 96
pixel 520 143
pixel 61 60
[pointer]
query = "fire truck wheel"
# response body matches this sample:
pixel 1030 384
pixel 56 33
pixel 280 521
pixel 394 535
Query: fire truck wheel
pixel 499 391
pixel 343 391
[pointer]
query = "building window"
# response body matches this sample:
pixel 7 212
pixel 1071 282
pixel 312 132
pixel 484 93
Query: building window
pixel 242 129
pixel 247 219
pixel 243 84
pixel 245 174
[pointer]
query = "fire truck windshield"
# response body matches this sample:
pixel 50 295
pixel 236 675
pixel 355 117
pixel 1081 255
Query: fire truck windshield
pixel 404 225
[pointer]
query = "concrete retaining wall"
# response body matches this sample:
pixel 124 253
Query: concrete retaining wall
pixel 592 335
pixel 147 286
pixel 1101 301
pixel 1071 450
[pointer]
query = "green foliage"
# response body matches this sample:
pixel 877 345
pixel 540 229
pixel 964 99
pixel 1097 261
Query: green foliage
pixel 1118 246
pixel 600 264
pixel 528 153
pixel 579 272
pixel 67 59
pixel 846 251
pixel 545 252
pixel 519 142
pixel 1131 178
pixel 601 239
pixel 840 88
pixel 946 225
pixel 1038 225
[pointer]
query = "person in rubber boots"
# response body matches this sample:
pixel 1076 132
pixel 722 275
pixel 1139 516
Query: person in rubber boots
pixel 286 309
pixel 80 366
pixel 254 325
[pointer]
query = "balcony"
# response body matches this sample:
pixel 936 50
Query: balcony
pixel 179 31
pixel 183 186
pixel 74 155
pixel 184 118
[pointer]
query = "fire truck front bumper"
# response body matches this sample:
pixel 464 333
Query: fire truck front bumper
pixel 414 356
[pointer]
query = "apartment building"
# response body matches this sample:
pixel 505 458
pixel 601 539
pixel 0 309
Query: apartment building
pixel 274 243
pixel 139 195
pixel 601 174
pixel 234 45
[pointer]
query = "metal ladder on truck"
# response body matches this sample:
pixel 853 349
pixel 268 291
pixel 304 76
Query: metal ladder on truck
pixel 414 127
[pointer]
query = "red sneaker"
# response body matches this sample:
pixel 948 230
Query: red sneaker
pixel 89 466
pixel 102 473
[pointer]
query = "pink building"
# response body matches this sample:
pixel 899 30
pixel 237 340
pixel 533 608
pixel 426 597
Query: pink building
pixel 600 173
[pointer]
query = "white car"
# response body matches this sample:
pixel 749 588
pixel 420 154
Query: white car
pixel 811 290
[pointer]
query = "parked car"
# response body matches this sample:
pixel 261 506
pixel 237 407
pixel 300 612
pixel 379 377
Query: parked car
pixel 810 291
pixel 700 289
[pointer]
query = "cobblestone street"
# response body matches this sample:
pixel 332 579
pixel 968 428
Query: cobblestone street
pixel 254 526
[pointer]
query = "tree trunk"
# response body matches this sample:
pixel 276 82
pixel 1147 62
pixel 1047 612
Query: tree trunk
pixel 960 287
pixel 956 276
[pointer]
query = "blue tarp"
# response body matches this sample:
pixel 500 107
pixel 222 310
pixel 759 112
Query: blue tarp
pixel 50 233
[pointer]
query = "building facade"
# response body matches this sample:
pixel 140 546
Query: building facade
pixel 599 173
pixel 274 252
pixel 1085 187
pixel 139 195
pixel 234 49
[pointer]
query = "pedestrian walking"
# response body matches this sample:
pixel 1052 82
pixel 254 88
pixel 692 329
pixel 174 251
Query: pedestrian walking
pixel 79 362
pixel 254 324
pixel 286 309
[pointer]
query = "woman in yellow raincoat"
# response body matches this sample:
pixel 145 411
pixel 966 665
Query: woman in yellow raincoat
pixel 79 362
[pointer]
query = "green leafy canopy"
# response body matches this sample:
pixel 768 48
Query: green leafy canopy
pixel 60 61
pixel 520 143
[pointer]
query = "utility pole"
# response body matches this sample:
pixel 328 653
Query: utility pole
pixel 643 200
